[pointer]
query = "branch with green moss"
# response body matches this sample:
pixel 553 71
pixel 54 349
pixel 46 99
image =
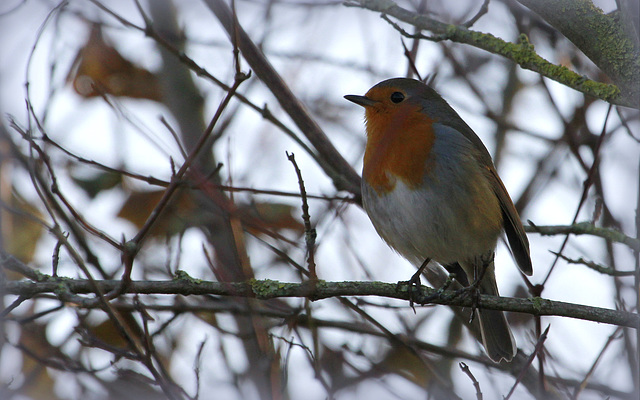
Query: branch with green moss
pixel 601 37
pixel 522 53
pixel 72 290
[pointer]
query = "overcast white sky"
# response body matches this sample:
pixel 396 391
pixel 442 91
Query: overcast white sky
pixel 254 155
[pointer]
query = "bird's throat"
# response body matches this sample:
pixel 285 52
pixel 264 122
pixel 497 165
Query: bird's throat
pixel 398 147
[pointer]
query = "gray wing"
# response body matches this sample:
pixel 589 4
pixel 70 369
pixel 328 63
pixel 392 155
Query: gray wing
pixel 513 228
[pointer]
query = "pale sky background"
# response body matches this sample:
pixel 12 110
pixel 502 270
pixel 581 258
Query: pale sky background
pixel 254 155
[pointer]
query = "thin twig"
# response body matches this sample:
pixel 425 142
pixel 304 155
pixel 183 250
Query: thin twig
pixel 538 350
pixel 585 191
pixel 176 179
pixel 49 191
pixel 335 166
pixel 202 72
pixel 589 373
pixel 585 228
pixel 410 55
pixel 309 232
pixel 16 303
pixel 482 11
pixel 465 368
pixel 163 183
pixel 595 266
pixel 197 362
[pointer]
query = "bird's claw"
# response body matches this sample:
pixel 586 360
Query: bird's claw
pixel 413 289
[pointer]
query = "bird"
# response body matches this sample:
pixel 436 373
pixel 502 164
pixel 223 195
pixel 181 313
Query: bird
pixel 432 192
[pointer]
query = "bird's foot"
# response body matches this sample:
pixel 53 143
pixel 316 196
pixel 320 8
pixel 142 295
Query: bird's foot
pixel 414 292
pixel 439 293
pixel 472 291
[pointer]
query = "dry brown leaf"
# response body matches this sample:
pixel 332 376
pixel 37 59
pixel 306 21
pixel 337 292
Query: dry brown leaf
pixel 99 68
pixel 258 217
pixel 107 332
pixel 20 234
pixel 175 218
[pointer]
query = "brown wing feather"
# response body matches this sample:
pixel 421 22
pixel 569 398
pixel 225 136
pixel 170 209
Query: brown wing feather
pixel 512 226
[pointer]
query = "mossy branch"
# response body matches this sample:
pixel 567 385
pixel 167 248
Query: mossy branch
pixel 601 37
pixel 522 53
pixel 68 290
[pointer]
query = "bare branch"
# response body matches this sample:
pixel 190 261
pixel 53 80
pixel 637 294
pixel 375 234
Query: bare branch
pixel 585 228
pixel 343 175
pixel 310 233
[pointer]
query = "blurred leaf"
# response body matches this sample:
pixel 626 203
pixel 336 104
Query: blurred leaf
pixel 98 183
pixel 131 385
pixel 397 360
pixel 400 361
pixel 100 68
pixel 258 217
pixel 208 317
pixel 182 212
pixel 175 218
pixel 39 384
pixel 33 337
pixel 139 205
pixel 20 234
pixel 333 364
pixel 108 333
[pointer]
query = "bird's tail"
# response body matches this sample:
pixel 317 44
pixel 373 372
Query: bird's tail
pixel 497 338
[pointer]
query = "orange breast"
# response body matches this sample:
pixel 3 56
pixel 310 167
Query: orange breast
pixel 398 145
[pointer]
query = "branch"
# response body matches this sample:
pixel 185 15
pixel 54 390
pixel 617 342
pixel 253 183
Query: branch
pixel 585 228
pixel 521 53
pixel 335 166
pixel 599 36
pixel 309 232
pixel 202 72
pixel 595 266
pixel 295 317
pixel 268 289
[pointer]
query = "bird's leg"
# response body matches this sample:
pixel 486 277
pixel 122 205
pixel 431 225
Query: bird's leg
pixel 415 279
pixel 470 287
pixel 438 293
pixel 474 288
pixel 456 271
pixel 415 282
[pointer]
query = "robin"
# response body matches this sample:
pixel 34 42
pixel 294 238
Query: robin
pixel 433 194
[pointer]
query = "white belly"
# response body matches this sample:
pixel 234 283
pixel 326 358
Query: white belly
pixel 439 222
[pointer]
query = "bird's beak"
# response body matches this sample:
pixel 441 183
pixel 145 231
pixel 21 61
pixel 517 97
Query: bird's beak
pixel 363 101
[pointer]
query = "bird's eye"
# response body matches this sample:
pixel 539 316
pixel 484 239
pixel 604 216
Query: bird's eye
pixel 397 97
